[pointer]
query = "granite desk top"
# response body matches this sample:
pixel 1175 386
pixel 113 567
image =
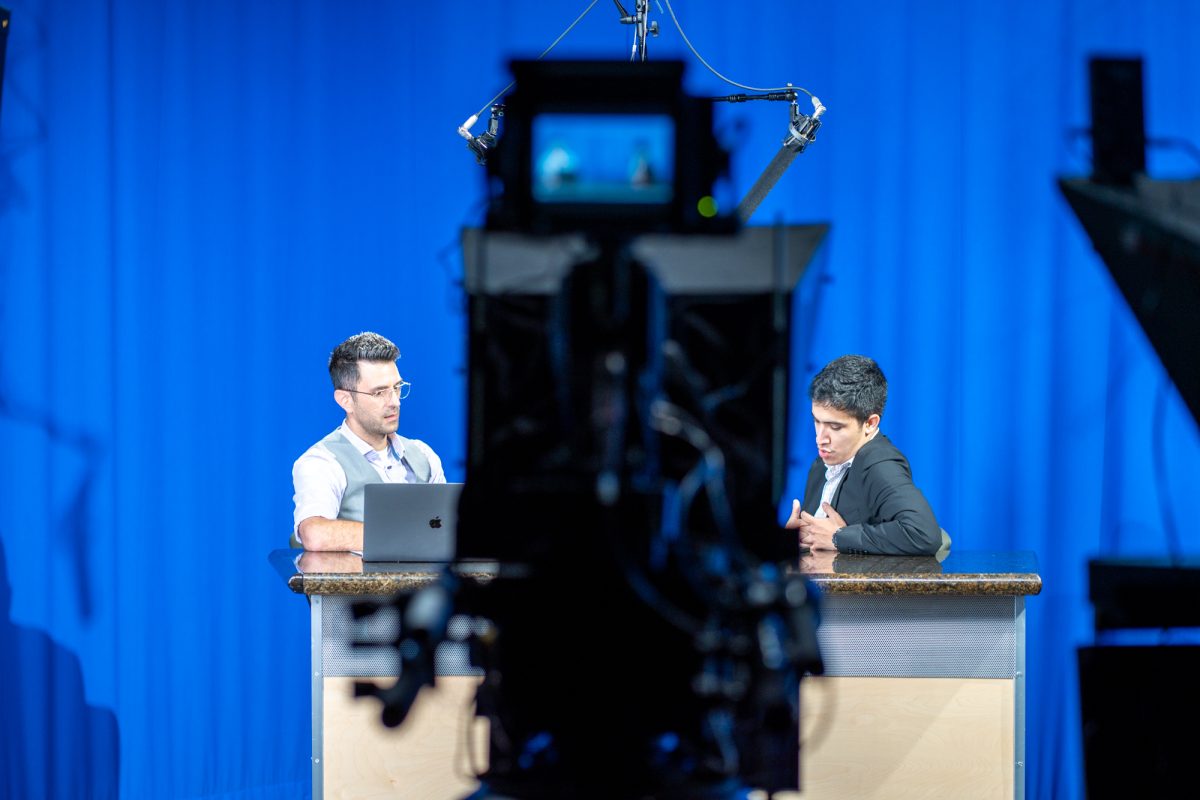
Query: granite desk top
pixel 965 573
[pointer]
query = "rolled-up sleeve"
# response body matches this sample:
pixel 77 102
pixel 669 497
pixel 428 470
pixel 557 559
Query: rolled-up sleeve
pixel 319 483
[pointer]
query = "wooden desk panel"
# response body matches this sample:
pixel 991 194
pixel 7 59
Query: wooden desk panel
pixel 427 757
pixel 897 738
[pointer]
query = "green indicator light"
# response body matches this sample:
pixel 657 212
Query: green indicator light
pixel 707 206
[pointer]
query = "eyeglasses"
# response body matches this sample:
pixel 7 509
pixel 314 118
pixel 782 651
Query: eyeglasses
pixel 401 391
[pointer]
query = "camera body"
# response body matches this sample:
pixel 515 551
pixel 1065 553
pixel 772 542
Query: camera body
pixel 608 148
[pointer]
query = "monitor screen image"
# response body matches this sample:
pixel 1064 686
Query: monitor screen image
pixel 603 158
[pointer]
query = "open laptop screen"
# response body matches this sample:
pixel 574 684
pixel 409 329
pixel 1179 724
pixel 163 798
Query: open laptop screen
pixel 410 521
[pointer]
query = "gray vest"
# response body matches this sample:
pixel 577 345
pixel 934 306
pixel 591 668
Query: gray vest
pixel 359 471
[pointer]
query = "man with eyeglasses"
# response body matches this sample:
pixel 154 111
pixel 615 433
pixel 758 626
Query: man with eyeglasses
pixel 330 477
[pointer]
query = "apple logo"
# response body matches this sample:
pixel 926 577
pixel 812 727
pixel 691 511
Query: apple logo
pixel 436 522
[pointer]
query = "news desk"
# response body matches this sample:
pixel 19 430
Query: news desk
pixel 923 696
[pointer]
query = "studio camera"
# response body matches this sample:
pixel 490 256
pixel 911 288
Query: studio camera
pixel 627 410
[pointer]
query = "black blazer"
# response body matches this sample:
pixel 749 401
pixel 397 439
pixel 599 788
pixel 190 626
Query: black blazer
pixel 885 513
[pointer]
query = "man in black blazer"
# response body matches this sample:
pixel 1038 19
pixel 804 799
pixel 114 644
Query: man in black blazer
pixel 860 497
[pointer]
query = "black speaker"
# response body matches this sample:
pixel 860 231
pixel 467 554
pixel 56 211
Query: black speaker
pixel 1118 120
pixel 1137 706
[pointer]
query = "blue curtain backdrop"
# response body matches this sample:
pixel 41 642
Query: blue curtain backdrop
pixel 199 199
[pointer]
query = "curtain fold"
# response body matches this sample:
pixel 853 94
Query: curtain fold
pixel 199 200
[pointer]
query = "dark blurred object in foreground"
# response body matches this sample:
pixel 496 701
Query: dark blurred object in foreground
pixel 1138 698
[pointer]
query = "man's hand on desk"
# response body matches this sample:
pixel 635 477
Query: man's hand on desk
pixel 816 533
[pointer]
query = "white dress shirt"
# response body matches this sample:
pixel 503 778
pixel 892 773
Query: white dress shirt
pixel 833 479
pixel 320 481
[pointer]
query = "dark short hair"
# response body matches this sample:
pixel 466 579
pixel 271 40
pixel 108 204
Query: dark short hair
pixel 365 346
pixel 852 384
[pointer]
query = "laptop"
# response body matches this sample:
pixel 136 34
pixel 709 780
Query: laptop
pixel 410 521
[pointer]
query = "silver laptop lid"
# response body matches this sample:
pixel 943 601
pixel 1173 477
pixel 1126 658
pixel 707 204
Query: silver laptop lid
pixel 410 521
